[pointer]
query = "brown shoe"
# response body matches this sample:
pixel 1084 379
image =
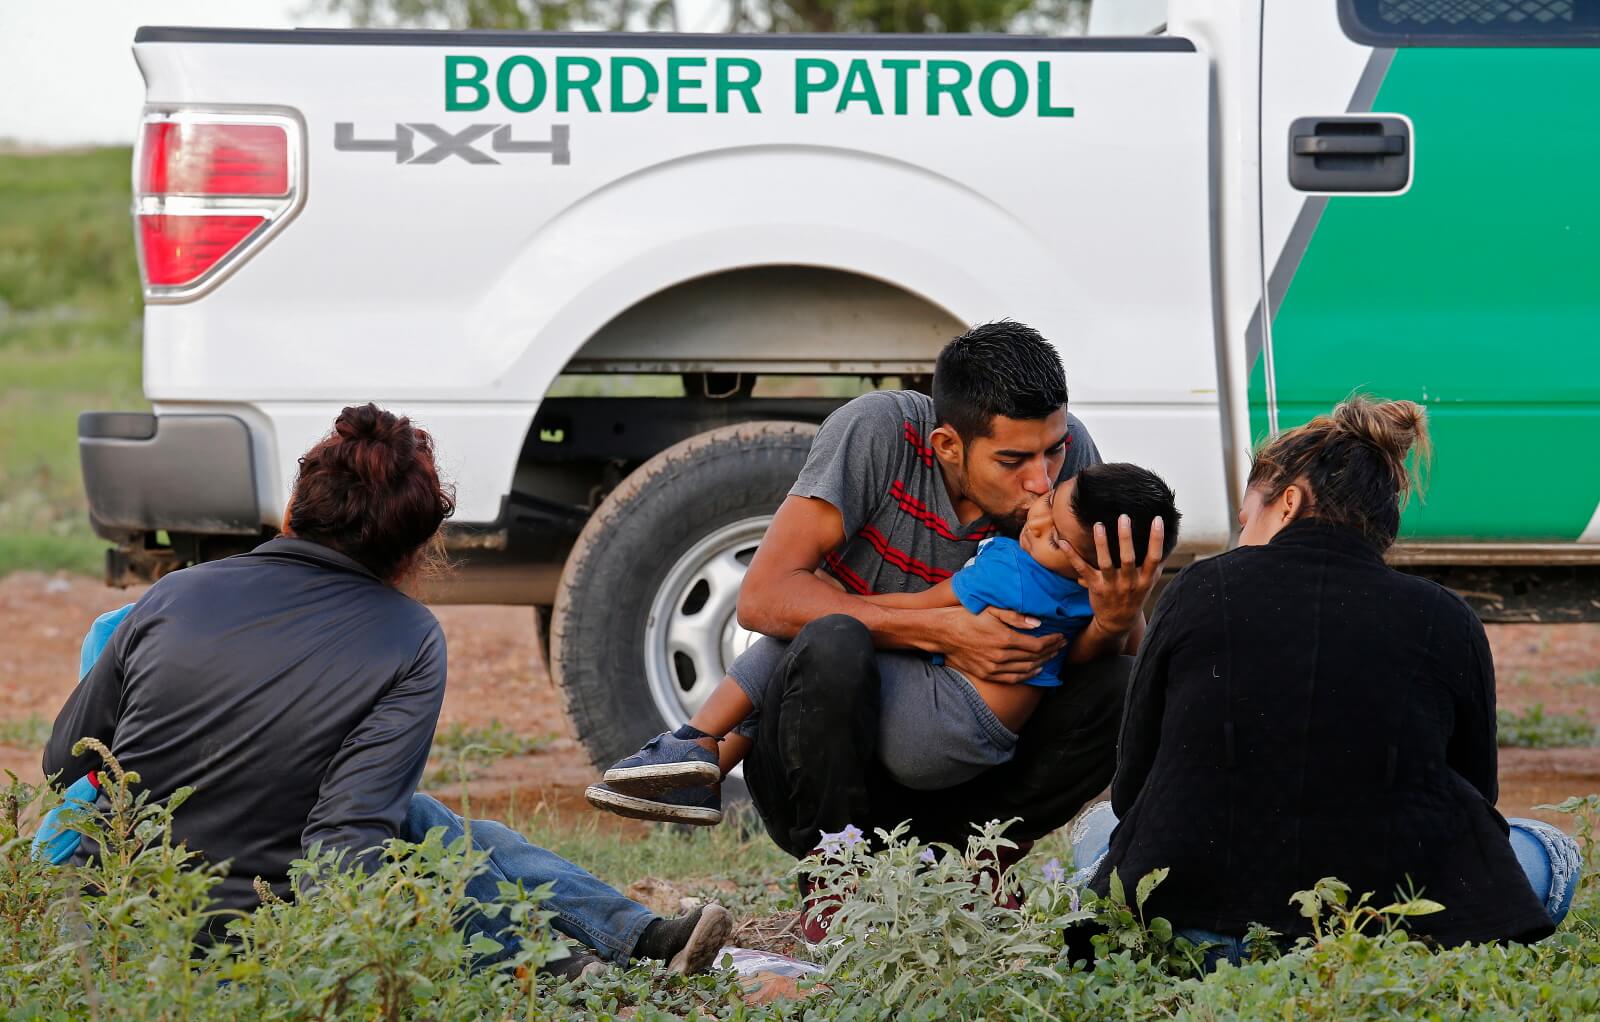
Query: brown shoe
pixel 705 943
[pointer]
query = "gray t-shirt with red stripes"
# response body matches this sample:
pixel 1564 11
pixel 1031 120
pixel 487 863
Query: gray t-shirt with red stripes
pixel 871 460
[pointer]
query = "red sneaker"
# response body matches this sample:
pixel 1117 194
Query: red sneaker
pixel 816 913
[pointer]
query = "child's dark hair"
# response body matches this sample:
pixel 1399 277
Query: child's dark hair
pixel 370 490
pixel 1103 493
pixel 1001 368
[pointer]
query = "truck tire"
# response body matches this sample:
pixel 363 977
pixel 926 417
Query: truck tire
pixel 643 623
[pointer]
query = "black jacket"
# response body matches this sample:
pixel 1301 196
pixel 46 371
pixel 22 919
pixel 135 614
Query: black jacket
pixel 1300 710
pixel 290 687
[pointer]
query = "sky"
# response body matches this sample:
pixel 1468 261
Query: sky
pixel 67 75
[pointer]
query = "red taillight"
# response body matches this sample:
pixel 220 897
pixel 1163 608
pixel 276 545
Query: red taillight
pixel 208 188
pixel 178 249
pixel 181 158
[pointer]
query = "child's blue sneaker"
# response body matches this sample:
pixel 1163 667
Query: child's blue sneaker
pixel 699 805
pixel 666 763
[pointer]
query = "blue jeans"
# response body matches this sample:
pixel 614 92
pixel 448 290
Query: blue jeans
pixel 1548 857
pixel 587 910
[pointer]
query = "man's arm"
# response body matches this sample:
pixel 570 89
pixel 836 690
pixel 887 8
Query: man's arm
pixel 782 594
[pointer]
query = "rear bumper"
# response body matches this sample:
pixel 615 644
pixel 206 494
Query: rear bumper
pixel 182 473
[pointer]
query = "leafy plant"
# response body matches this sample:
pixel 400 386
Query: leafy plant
pixel 1126 928
pixel 1536 729
pixel 31 732
pixel 921 924
pixel 116 936
pixel 922 937
pixel 468 750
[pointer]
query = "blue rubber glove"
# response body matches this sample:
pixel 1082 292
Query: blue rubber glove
pixel 55 843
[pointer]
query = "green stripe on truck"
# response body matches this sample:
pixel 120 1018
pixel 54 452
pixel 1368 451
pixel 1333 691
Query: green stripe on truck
pixel 1476 293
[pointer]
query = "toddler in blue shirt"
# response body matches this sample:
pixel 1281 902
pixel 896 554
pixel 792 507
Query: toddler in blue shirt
pixel 938 727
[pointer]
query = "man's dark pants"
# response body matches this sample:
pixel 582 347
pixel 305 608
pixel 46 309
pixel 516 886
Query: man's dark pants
pixel 815 768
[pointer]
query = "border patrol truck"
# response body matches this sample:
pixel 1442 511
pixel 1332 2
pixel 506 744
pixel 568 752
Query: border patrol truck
pixel 595 265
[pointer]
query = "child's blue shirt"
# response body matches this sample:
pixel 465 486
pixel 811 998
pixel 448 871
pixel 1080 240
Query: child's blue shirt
pixel 1003 575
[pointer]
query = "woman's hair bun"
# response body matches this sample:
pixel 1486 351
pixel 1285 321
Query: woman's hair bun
pixel 1395 428
pixel 1360 462
pixel 379 445
pixel 370 489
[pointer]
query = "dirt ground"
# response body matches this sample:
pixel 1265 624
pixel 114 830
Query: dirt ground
pixel 496 674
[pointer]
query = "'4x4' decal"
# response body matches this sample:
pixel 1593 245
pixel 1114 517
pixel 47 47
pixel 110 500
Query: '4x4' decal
pixel 448 143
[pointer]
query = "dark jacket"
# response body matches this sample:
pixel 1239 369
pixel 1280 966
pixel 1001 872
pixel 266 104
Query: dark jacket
pixel 291 688
pixel 1300 710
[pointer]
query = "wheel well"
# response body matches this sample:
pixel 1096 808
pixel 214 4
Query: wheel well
pixel 784 343
pixel 773 319
pixel 707 353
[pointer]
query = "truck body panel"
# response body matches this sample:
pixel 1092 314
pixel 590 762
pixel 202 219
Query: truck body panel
pixel 437 287
pixel 1473 291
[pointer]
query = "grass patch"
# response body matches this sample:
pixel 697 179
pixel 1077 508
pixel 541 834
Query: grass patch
pixel 28 733
pixel 70 318
pixel 734 863
pixel 465 751
pixel 66 236
pixel 1533 728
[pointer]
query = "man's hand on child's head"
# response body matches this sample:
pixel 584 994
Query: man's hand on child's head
pixel 1117 592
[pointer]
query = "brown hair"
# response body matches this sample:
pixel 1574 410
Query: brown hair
pixel 1359 463
pixel 370 490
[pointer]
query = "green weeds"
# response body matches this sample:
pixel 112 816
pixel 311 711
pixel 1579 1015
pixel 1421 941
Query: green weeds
pixel 466 751
pixel 921 937
pixel 27 733
pixel 1533 728
pixel 917 942
pixel 734 863
pixel 1587 679
pixel 370 940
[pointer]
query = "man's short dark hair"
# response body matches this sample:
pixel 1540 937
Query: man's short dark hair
pixel 1104 492
pixel 1001 368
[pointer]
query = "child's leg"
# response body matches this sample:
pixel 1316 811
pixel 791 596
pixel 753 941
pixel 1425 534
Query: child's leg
pixel 687 764
pixel 729 715
pixel 725 709
pixel 732 751
pixel 722 711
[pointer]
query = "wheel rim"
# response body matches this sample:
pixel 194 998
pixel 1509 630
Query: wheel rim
pixel 692 633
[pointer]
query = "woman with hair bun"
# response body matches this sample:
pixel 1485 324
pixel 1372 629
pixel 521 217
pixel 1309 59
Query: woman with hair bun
pixel 1300 710
pixel 296 688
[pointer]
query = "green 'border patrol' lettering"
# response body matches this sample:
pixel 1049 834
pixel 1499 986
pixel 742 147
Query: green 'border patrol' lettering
pixel 627 84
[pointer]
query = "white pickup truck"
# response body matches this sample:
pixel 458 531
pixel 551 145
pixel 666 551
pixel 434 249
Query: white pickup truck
pixel 595 264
